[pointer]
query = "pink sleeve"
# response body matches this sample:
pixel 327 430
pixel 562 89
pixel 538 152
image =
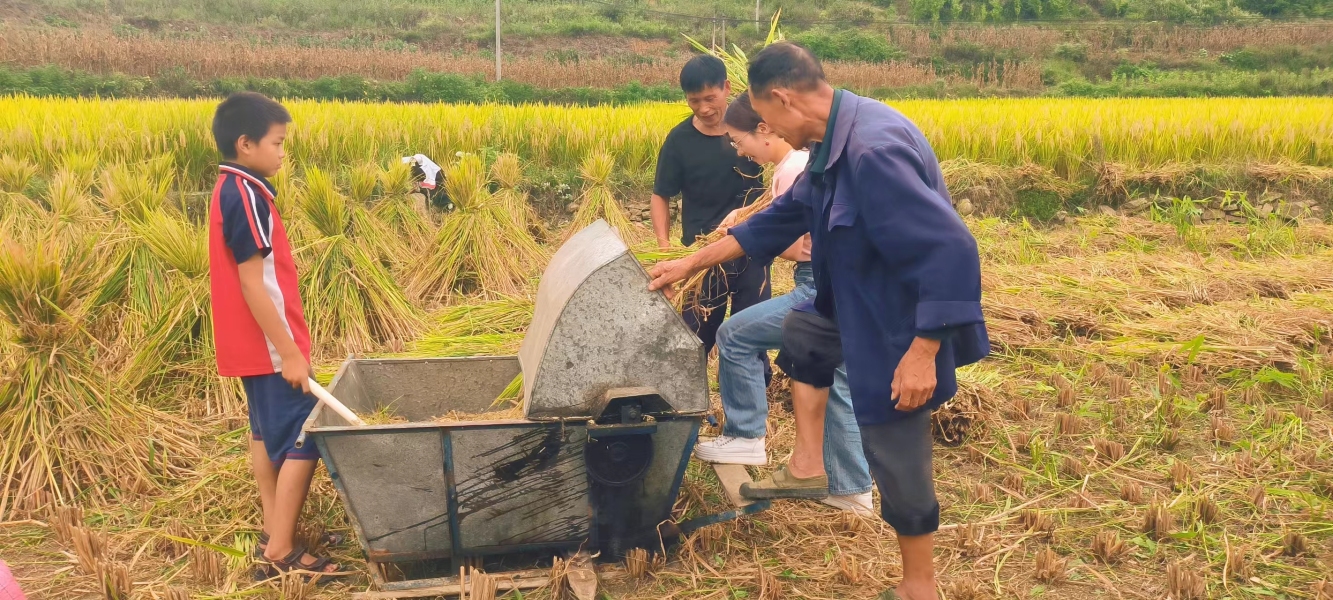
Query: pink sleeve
pixel 783 178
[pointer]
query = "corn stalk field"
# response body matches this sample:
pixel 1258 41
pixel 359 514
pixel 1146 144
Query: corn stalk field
pixel 1156 419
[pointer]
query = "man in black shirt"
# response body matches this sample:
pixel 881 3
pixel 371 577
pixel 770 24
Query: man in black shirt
pixel 697 162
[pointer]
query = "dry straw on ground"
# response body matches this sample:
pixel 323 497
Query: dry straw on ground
pixel 1134 296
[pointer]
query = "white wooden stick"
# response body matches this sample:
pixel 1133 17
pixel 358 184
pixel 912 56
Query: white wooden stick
pixel 333 403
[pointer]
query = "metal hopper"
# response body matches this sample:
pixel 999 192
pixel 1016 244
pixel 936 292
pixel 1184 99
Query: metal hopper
pixel 614 391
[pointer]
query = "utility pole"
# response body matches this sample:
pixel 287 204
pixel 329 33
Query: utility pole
pixel 497 40
pixel 756 15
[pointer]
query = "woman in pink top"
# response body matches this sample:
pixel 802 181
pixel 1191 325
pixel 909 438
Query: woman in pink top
pixel 827 463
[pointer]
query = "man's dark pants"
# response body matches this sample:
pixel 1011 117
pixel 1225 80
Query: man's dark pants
pixel 743 283
pixel 898 451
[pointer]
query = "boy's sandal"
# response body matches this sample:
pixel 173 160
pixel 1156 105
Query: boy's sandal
pixel 327 539
pixel 292 563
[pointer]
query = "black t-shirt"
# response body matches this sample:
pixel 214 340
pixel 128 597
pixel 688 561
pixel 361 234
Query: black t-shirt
pixel 710 178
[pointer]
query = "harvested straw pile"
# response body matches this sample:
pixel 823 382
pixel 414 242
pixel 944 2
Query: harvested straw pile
pixel 401 214
pixel 174 356
pixel 689 291
pixel 507 172
pixel 506 314
pixel 598 201
pixel 69 431
pixel 479 246
pixel 352 301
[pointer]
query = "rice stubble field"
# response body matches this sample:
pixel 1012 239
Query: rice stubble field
pixel 1156 419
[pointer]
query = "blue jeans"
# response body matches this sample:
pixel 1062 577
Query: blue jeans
pixel 758 329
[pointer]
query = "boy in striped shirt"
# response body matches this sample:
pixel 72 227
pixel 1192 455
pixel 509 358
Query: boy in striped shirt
pixel 259 328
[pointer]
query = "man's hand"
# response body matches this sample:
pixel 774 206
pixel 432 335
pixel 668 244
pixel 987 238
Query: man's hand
pixel 668 272
pixel 296 371
pixel 914 379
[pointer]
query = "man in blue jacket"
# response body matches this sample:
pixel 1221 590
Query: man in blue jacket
pixel 897 275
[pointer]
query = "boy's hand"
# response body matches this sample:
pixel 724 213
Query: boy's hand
pixel 296 371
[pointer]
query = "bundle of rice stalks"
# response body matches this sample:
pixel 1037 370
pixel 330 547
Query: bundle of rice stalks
pixel 82 165
pixel 15 176
pixel 478 245
pixel 977 180
pixel 689 291
pixel 69 430
pixel 132 193
pixel 68 203
pixel 507 172
pixel 362 181
pixel 401 213
pixel 175 357
pixel 506 314
pixel 352 302
pixel 491 344
pixel 597 200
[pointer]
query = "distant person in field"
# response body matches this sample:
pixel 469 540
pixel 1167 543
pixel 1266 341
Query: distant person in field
pixel 698 164
pixel 827 463
pixel 259 327
pixel 897 279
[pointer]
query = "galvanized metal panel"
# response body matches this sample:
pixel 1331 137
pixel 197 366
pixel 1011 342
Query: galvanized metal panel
pixel 524 484
pixel 426 388
pixel 349 389
pixel 395 487
pixel 597 327
pixel 670 454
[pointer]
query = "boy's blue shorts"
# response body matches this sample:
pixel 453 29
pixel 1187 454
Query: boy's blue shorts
pixel 277 412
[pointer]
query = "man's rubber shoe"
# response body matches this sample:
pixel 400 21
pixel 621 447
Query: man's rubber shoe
pixel 729 450
pixel 861 504
pixel 782 484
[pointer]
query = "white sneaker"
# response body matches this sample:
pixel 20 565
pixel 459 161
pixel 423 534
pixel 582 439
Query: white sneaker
pixel 861 504
pixel 729 450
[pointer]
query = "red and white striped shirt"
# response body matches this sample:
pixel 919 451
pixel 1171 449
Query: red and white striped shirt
pixel 243 222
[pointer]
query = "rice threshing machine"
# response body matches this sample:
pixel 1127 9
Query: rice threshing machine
pixel 614 392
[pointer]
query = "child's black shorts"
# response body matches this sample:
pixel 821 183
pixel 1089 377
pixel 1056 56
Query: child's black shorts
pixel 811 348
pixel 277 412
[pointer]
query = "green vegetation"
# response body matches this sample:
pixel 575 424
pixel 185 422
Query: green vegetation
pixel 421 86
pixel 622 51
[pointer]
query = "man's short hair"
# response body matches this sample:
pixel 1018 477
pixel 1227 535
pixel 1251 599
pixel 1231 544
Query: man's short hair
pixel 787 65
pixel 246 114
pixel 702 72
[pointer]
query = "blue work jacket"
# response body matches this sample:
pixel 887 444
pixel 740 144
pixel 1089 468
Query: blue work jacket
pixel 891 257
